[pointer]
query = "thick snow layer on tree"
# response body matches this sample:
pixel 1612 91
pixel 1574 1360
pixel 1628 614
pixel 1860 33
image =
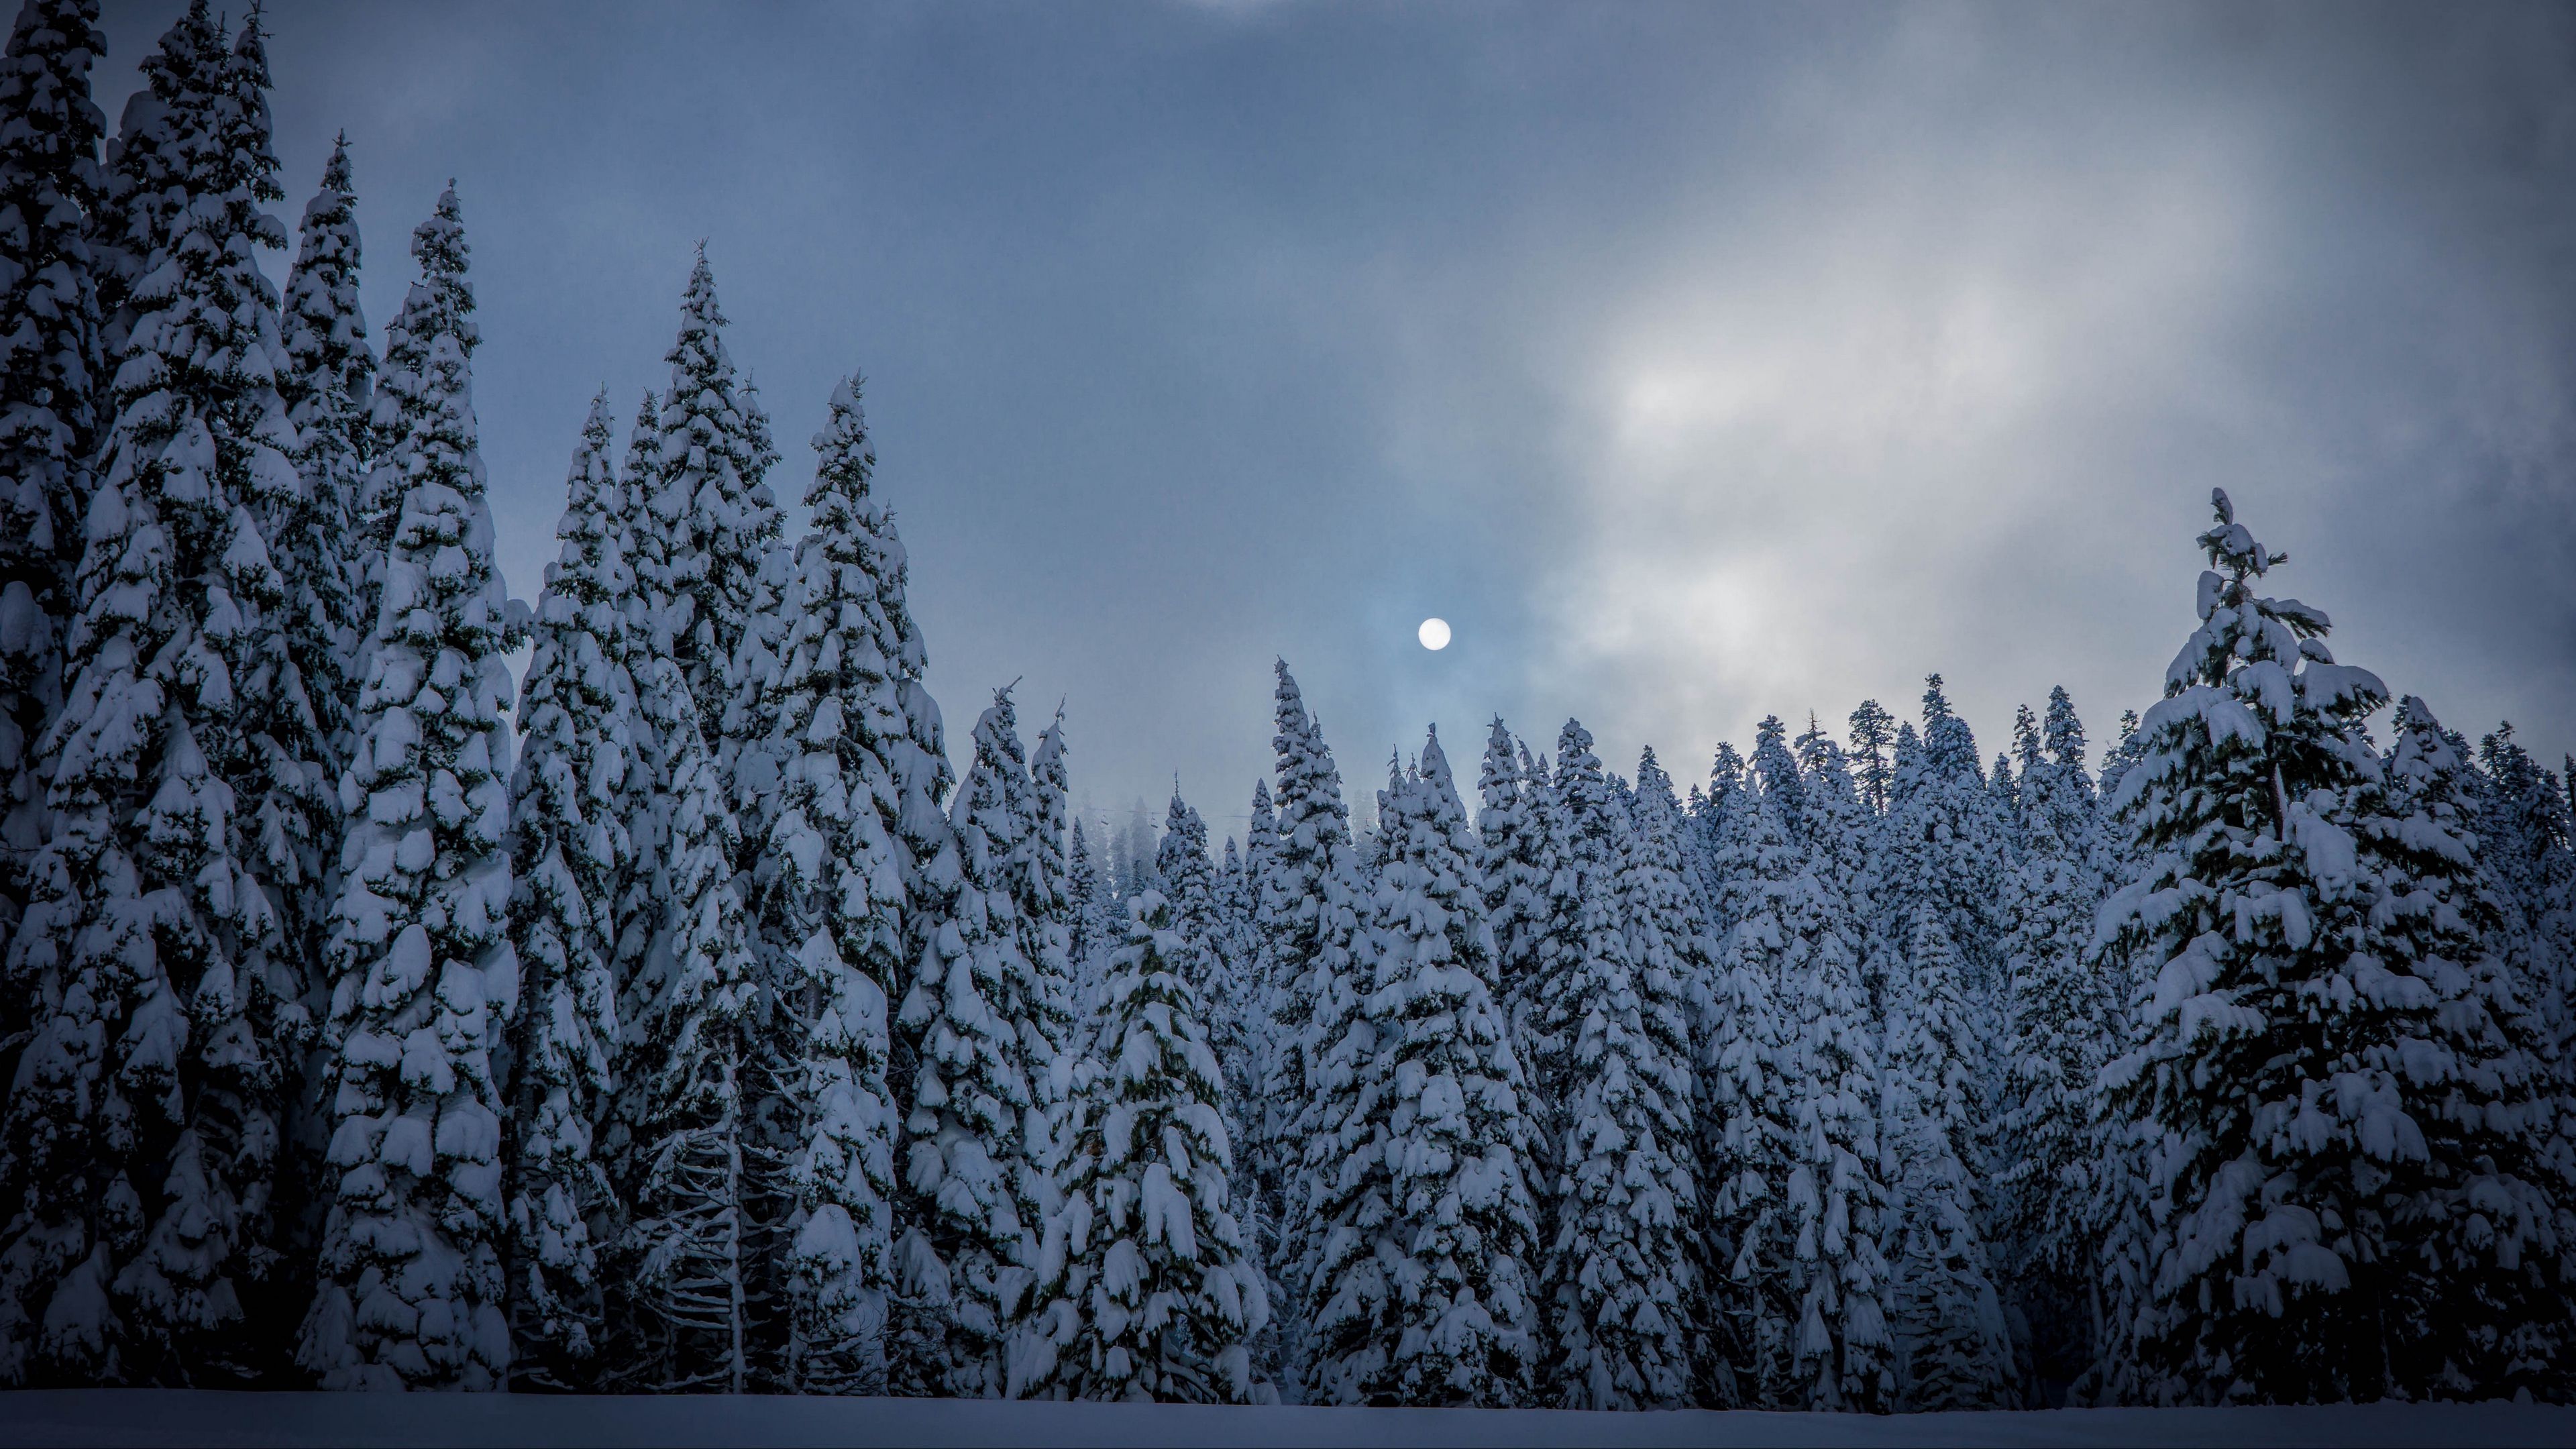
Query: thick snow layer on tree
pixel 106 1417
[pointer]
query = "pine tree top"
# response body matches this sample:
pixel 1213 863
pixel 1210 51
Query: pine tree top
pixel 1312 817
pixel 443 299
pixel 844 462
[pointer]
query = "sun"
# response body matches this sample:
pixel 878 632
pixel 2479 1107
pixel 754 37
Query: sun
pixel 1434 633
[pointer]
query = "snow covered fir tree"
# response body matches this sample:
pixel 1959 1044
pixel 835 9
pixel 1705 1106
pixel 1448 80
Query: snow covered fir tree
pixel 404 986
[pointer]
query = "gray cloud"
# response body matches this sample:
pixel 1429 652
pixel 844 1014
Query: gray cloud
pixel 1696 362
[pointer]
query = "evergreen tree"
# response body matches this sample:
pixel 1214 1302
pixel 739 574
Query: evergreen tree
pixel 712 499
pixel 1946 831
pixel 962 1258
pixel 1748 1069
pixel 1053 1037
pixel 2522 832
pixel 1775 772
pixel 439 304
pixel 1214 957
pixel 1841 831
pixel 1873 734
pixel 1465 1307
pixel 161 976
pixel 2471 1320
pixel 579 765
pixel 425 977
pixel 1188 882
pixel 1147 1290
pixel 327 389
pixel 1516 865
pixel 828 897
pixel 1330 1128
pixel 1842 1356
pixel 1249 1053
pixel 1618 1276
pixel 2341 1204
pixel 49 422
pixel 2058 1003
pixel 2120 858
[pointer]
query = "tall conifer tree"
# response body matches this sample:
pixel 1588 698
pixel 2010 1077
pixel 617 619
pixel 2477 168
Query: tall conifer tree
pixel 425 977
pixel 1618 1276
pixel 964 1255
pixel 2322 1055
pixel 167 980
pixel 1465 1312
pixel 1145 1287
pixel 580 764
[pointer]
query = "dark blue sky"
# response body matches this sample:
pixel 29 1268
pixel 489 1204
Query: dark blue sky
pixel 1696 361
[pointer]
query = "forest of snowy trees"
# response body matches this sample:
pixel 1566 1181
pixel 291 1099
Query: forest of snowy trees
pixel 674 1015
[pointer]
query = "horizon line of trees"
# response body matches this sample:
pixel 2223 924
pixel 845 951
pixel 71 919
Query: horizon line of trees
pixel 709 1031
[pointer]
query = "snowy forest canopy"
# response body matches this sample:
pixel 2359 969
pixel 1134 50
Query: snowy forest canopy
pixel 675 1017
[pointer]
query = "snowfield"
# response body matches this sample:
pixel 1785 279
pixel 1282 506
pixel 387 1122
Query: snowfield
pixel 112 1417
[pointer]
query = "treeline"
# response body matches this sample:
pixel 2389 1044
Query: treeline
pixel 674 1017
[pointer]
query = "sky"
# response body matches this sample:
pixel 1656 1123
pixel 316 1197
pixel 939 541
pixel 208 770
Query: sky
pixel 1695 361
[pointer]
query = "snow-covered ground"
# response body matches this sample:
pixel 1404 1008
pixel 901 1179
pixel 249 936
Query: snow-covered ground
pixel 109 1417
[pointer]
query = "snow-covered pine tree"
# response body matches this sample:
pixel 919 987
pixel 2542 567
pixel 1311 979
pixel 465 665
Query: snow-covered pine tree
pixel 2120 856
pixel 1953 1345
pixel 580 763
pixel 1674 954
pixel 1465 1305
pixel 1747 1151
pixel 2057 1006
pixel 1250 1065
pixel 2063 788
pixel 2339 1200
pixel 1942 812
pixel 828 905
pixel 1842 832
pixel 962 1260
pixel 328 390
pixel 2003 787
pixel 1187 879
pixel 439 304
pixel 2523 839
pixel 1842 1355
pixel 1053 1037
pixel 1206 918
pixel 1260 857
pixel 1873 735
pixel 712 499
pixel 1233 1014
pixel 1147 1289
pixel 49 419
pixel 157 948
pixel 296 725
pixel 425 979
pixel 1618 1276
pixel 1327 1140
pixel 1774 771
pixel 1516 868
pixel 2472 1319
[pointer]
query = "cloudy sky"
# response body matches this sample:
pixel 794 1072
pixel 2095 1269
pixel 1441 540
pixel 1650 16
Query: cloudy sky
pixel 1696 361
